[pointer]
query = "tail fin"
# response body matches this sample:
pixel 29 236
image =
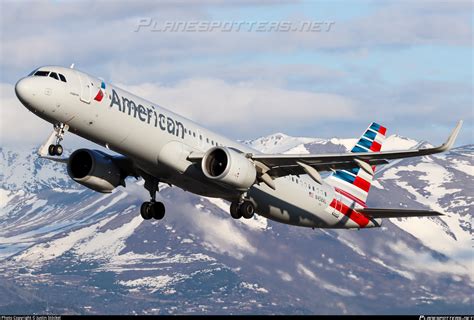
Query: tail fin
pixel 355 183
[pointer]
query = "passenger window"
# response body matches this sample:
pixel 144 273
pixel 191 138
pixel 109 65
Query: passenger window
pixel 194 134
pixel 54 75
pixel 200 137
pixel 207 140
pixel 41 73
pixel 63 78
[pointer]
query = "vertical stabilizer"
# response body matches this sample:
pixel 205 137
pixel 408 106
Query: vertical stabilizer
pixel 355 183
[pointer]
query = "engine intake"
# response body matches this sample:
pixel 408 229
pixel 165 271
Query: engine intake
pixel 94 169
pixel 229 167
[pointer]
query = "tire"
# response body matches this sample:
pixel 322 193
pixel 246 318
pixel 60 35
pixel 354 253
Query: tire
pixel 247 210
pixel 235 210
pixel 145 211
pixel 58 150
pixel 51 150
pixel 158 210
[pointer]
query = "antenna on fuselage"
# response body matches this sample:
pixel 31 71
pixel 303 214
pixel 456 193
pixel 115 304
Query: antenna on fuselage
pixel 72 66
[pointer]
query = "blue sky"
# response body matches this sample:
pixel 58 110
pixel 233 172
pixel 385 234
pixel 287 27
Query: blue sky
pixel 405 64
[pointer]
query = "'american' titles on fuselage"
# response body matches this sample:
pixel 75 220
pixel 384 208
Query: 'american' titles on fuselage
pixel 148 115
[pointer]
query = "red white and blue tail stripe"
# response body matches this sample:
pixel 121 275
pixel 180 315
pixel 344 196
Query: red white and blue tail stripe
pixel 352 185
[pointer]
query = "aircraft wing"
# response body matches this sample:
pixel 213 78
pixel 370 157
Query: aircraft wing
pixel 284 164
pixel 397 213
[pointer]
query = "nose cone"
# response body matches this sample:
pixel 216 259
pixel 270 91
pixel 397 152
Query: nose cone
pixel 24 90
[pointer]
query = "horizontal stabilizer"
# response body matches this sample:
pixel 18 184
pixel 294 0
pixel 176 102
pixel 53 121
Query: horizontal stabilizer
pixel 397 213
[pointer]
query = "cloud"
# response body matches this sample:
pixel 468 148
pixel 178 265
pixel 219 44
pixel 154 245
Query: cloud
pixel 218 234
pixel 289 75
pixel 247 84
pixel 302 270
pixel 244 107
pixel 424 262
pixel 18 126
pixel 437 105
pixel 396 24
pixel 61 33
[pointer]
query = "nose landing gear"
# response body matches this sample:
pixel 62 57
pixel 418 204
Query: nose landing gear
pixel 56 149
pixel 152 209
pixel 57 135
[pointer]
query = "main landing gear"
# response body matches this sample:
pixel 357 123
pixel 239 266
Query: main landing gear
pixel 57 149
pixel 152 209
pixel 244 209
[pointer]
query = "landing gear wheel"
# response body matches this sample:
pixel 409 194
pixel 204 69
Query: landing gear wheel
pixel 158 210
pixel 145 211
pixel 51 149
pixel 247 210
pixel 152 209
pixel 58 149
pixel 235 210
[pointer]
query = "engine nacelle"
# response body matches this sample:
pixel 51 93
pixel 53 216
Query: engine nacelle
pixel 229 167
pixel 94 169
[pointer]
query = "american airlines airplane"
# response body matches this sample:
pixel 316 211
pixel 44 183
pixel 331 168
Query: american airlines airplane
pixel 160 146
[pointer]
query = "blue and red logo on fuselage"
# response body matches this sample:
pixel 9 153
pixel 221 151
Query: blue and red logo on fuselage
pixel 100 95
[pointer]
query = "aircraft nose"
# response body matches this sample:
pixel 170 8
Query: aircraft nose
pixel 23 89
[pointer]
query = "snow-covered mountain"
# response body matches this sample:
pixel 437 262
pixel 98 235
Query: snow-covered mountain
pixel 67 249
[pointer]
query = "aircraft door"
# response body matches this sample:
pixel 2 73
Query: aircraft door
pixel 85 84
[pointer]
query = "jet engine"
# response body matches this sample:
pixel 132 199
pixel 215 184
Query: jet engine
pixel 94 169
pixel 229 167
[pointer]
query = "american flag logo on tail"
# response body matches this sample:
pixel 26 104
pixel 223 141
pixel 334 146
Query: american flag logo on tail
pixel 353 185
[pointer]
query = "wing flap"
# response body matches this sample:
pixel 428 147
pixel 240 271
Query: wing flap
pixel 397 213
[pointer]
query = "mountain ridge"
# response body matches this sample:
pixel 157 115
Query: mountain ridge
pixel 61 243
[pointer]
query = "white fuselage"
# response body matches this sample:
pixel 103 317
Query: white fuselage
pixel 159 142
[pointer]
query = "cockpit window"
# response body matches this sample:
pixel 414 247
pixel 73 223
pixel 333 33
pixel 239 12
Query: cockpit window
pixel 41 73
pixel 54 75
pixel 32 72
